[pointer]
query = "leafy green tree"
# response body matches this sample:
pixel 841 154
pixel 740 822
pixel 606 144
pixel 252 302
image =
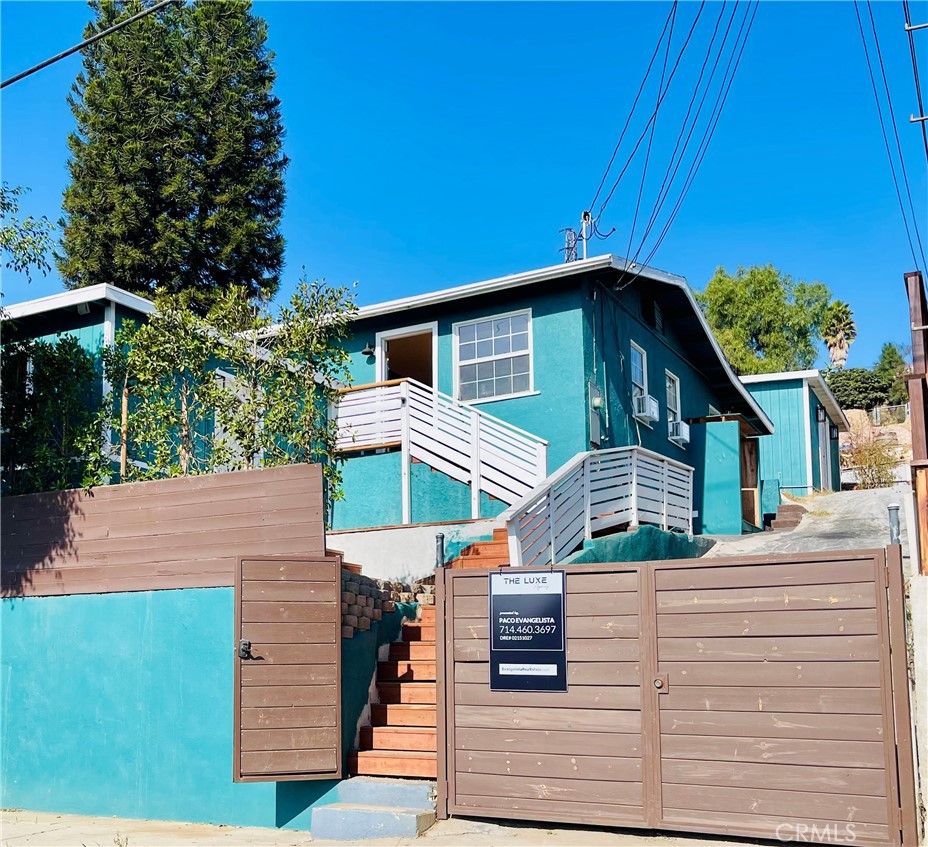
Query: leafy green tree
pixel 176 165
pixel 53 435
pixel 838 332
pixel 764 320
pixel 239 388
pixel 24 242
pixel 891 369
pixel 857 388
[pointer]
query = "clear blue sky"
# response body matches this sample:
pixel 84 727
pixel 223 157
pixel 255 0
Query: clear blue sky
pixel 434 144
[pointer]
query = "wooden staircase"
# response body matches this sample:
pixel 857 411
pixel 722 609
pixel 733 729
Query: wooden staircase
pixel 788 516
pixel 401 739
pixel 484 554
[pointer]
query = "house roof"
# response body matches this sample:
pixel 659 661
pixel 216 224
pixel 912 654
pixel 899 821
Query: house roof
pixel 707 355
pixel 815 381
pixel 90 294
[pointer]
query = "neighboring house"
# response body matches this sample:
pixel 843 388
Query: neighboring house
pixel 802 455
pixel 504 382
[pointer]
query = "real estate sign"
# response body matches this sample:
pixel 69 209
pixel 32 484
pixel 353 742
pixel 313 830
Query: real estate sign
pixel 528 639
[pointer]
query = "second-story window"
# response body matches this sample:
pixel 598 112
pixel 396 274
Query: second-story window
pixel 639 362
pixel 494 357
pixel 673 397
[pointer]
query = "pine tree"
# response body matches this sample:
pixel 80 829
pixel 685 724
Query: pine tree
pixel 176 165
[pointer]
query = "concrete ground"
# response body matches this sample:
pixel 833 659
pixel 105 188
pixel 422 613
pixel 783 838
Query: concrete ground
pixel 842 520
pixel 32 829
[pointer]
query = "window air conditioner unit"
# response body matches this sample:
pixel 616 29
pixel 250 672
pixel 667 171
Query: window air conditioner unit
pixel 646 408
pixel 679 432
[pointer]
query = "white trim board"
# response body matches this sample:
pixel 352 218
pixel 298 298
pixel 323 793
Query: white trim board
pixel 90 294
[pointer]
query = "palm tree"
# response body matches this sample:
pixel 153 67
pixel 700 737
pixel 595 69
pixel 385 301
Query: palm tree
pixel 838 331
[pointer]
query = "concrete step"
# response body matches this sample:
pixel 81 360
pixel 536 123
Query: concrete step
pixel 393 763
pixel 402 793
pixel 790 509
pixel 418 651
pixel 418 632
pixel 783 523
pixel 408 692
pixel 352 822
pixel 403 714
pixel 398 738
pixel 406 671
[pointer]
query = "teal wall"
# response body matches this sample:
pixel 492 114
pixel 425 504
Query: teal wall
pixel 372 483
pixel 718 485
pixel 783 454
pixel 556 411
pixel 122 704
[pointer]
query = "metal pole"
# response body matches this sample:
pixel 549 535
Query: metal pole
pixel 895 536
pixel 439 550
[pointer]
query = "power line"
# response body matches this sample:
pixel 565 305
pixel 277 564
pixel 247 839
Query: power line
pixel 87 42
pixel 727 81
pixel 889 155
pixel 724 89
pixel 675 161
pixel 647 155
pixel 653 117
pixel 628 120
pixel 918 86
pixel 892 116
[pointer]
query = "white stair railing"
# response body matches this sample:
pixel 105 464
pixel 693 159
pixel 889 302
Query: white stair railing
pixel 480 450
pixel 595 491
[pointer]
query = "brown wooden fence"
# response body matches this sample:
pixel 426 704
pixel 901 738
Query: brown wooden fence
pixel 174 533
pixel 755 697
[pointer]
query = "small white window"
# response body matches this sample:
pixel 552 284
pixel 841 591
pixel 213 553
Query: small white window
pixel 494 357
pixel 673 397
pixel 639 360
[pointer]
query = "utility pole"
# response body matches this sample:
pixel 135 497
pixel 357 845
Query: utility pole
pixel 570 244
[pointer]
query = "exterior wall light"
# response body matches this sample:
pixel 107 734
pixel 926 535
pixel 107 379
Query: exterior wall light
pixel 368 350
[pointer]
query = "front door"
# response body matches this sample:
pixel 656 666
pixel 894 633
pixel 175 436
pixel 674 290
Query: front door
pixel 408 353
pixel 824 456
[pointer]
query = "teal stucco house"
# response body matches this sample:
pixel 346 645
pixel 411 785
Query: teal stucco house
pixel 562 400
pixel 802 455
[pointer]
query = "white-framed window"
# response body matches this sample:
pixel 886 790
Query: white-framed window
pixel 493 357
pixel 673 397
pixel 639 370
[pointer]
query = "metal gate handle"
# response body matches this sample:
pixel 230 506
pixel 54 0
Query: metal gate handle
pixel 244 649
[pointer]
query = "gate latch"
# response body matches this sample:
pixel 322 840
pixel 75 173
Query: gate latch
pixel 244 649
pixel 660 683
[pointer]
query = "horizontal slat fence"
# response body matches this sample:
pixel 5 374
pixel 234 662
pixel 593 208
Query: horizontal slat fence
pixel 757 697
pixel 174 533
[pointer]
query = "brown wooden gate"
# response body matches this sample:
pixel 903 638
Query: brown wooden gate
pixel 287 683
pixel 764 697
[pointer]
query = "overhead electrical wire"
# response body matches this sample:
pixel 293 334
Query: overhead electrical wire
pixel 727 81
pixel 86 42
pixel 892 116
pixel 734 60
pixel 647 155
pixel 631 113
pixel 918 85
pixel 653 117
pixel 675 160
pixel 879 109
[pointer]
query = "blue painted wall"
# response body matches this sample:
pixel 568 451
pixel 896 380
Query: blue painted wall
pixel 783 454
pixel 121 704
pixel 718 486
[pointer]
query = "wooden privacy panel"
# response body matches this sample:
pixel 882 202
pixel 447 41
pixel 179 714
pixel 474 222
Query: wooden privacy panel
pixel 775 712
pixel 287 686
pixel 172 533
pixel 763 697
pixel 567 757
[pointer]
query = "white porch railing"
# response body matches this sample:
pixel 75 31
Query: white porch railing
pixel 465 443
pixel 595 491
